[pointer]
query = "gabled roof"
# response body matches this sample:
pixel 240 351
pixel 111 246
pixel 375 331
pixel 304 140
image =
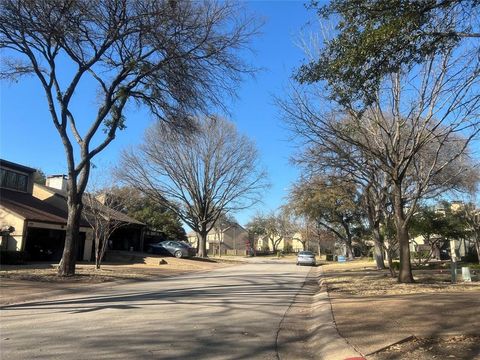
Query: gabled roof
pixel 33 209
pixel 114 214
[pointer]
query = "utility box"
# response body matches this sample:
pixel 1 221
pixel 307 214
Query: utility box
pixel 466 276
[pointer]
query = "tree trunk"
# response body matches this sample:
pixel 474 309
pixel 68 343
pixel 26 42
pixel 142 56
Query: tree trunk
pixel 477 247
pixel 72 232
pixel 97 254
pixel 378 247
pixel 348 246
pixel 202 244
pixel 390 263
pixel 274 246
pixel 405 273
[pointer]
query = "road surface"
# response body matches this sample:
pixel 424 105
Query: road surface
pixel 228 313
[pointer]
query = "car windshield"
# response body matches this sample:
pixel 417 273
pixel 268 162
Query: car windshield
pixel 305 253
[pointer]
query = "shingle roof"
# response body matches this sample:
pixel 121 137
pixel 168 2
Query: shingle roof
pixel 31 208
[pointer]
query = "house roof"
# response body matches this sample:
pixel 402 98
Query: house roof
pixel 16 166
pixel 31 208
pixel 116 215
pixel 53 191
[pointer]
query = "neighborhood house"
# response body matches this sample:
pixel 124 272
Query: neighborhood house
pixel 33 218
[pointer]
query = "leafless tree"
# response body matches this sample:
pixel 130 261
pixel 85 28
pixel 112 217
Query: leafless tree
pixel 174 57
pixel 417 132
pixel 103 213
pixel 199 176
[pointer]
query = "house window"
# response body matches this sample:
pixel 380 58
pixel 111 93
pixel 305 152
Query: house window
pixel 13 180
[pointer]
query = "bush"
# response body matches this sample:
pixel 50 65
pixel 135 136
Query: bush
pixel 396 265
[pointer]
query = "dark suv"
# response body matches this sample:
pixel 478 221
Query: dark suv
pixel 179 249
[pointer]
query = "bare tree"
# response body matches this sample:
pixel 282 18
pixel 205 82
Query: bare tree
pixel 417 131
pixel 200 176
pixel 102 212
pixel 175 57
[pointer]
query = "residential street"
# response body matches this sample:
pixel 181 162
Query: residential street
pixel 227 313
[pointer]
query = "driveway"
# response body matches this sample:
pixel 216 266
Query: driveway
pixel 228 313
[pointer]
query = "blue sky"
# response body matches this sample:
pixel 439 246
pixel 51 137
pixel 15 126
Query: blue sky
pixel 27 135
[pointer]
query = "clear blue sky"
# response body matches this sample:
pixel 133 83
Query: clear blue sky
pixel 27 135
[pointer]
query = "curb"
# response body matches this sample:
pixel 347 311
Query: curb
pixel 325 340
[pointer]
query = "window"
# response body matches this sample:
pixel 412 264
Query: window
pixel 13 180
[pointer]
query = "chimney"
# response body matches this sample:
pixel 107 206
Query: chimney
pixel 58 182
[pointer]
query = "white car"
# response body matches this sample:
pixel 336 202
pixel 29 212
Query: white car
pixel 306 258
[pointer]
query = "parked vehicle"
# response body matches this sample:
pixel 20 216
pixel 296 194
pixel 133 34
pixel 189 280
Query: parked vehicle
pixel 179 249
pixel 306 258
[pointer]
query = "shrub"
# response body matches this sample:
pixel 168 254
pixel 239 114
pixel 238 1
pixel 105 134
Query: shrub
pixel 396 265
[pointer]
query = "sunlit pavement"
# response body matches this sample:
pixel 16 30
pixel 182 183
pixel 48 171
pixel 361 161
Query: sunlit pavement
pixel 228 313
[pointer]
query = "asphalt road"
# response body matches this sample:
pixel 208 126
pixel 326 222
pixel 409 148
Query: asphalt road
pixel 228 313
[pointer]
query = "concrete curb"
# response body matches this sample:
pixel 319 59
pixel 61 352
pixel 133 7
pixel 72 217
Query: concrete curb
pixel 308 329
pixel 325 340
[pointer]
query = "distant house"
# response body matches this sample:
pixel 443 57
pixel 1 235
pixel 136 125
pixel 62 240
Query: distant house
pixel 440 247
pixel 33 218
pixel 232 240
pixel 293 243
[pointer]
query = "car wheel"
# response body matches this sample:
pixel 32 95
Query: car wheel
pixel 178 254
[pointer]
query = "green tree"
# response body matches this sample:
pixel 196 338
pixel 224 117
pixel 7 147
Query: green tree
pixel 39 177
pixel 333 204
pixel 155 215
pixel 437 226
pixel 374 38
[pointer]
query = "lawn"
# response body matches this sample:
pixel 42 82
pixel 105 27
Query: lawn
pixel 386 320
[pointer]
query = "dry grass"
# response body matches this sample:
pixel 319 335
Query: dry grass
pixel 453 347
pixel 86 273
pixel 361 278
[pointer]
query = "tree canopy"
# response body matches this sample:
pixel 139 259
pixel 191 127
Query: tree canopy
pixel 374 38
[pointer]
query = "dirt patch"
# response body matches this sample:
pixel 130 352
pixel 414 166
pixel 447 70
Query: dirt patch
pixel 361 278
pixel 453 347
pixel 86 273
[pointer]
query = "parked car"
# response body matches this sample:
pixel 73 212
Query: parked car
pixel 306 258
pixel 179 249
